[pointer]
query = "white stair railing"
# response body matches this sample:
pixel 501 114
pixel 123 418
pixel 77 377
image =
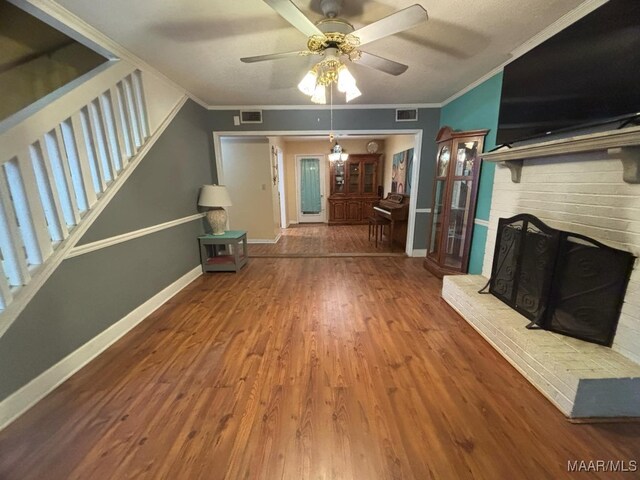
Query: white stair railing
pixel 49 184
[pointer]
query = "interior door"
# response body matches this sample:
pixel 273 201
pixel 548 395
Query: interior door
pixel 311 205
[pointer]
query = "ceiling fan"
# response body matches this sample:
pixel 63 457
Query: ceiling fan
pixel 336 39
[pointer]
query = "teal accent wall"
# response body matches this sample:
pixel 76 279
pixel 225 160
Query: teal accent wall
pixel 478 109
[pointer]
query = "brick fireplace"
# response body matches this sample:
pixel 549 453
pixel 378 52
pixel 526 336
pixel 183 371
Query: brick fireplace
pixel 589 185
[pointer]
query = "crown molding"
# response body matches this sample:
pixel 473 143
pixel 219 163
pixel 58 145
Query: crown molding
pixel 325 107
pixel 59 17
pixel 557 26
pixel 74 26
pixel 560 24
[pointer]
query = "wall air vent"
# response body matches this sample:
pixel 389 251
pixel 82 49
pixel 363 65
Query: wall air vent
pixel 406 114
pixel 250 116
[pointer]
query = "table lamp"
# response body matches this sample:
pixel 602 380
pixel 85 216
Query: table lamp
pixel 216 197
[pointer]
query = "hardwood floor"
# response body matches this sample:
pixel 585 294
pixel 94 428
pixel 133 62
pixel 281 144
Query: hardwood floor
pixel 319 239
pixel 318 368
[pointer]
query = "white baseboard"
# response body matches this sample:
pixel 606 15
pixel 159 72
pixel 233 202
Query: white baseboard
pixel 263 240
pixel 419 252
pixel 23 399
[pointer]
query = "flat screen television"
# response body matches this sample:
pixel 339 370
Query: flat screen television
pixel 587 74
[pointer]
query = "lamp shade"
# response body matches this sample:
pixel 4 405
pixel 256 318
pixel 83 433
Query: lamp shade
pixel 319 95
pixel 346 82
pixel 214 196
pixel 308 83
pixel 352 92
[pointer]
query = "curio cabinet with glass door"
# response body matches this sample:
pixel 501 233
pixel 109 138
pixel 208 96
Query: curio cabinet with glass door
pixel 354 188
pixel 454 200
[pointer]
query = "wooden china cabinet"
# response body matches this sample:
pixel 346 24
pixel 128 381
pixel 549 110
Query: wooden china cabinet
pixel 354 189
pixel 453 208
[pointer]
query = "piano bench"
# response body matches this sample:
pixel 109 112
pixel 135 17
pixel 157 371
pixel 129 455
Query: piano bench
pixel 376 227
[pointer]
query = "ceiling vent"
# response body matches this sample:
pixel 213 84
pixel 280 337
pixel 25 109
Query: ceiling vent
pixel 250 116
pixel 406 114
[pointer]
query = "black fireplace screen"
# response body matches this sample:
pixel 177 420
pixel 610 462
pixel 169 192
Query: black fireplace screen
pixel 561 281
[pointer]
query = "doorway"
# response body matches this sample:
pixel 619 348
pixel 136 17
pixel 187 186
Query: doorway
pixel 417 216
pixel 310 178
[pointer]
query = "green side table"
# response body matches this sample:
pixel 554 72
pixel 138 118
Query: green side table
pixel 222 253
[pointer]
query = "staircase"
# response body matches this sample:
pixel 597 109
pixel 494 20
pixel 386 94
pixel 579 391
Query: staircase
pixel 59 168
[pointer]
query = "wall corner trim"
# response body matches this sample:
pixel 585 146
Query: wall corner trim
pixel 570 17
pixel 23 399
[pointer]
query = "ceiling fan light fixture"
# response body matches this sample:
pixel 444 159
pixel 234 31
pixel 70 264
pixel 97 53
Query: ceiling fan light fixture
pixel 352 93
pixel 319 95
pixel 324 74
pixel 345 80
pixel 308 84
pixel 335 39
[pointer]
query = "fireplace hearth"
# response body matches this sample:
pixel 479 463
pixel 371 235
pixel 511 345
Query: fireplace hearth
pixel 561 281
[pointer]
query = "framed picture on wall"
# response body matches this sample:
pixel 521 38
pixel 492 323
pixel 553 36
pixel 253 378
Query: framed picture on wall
pixel 401 172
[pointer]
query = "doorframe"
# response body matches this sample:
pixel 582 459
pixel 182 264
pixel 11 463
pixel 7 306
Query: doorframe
pixel 281 189
pixel 322 161
pixel 415 177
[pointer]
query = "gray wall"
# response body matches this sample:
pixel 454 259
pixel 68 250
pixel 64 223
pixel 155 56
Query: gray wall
pixel 165 185
pixel 357 119
pixel 91 292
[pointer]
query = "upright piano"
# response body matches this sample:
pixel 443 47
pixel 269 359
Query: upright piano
pixel 395 207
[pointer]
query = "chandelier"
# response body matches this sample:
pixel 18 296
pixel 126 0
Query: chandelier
pixel 325 73
pixel 338 154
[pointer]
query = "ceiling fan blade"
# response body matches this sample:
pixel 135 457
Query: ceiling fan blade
pixel 383 64
pixel 292 14
pixel 394 23
pixel 274 56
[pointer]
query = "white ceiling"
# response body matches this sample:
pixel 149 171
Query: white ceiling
pixel 198 44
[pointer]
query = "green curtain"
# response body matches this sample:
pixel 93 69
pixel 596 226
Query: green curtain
pixel 310 185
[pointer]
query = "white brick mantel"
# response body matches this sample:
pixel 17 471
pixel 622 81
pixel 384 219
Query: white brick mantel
pixel 622 144
pixel 588 185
